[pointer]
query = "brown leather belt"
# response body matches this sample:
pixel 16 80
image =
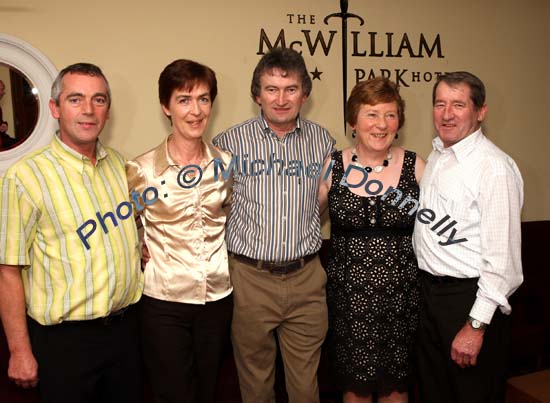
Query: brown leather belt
pixel 275 267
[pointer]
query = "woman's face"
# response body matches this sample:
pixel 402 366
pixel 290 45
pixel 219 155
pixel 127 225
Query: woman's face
pixel 189 111
pixel 377 125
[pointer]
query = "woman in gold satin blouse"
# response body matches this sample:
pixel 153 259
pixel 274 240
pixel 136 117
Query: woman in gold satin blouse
pixel 187 303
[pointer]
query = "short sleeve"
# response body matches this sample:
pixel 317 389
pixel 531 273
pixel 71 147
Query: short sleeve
pixel 18 222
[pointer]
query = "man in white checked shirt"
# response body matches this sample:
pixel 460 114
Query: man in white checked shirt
pixel 464 320
pixel 273 234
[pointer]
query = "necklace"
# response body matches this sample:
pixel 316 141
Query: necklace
pixel 377 168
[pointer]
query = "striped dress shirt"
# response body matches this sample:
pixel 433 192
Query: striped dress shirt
pixel 45 198
pixel 478 187
pixel 275 213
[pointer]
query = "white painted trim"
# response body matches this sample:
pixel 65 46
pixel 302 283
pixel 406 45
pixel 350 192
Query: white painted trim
pixel 41 73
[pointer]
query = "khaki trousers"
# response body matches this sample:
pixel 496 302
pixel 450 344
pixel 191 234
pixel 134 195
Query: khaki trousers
pixel 292 305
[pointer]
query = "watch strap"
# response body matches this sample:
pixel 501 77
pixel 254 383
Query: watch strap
pixel 476 324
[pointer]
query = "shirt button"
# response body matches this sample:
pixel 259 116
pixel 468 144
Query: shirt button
pixel 372 202
pixel 373 220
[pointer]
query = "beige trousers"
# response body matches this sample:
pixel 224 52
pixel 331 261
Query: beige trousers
pixel 294 307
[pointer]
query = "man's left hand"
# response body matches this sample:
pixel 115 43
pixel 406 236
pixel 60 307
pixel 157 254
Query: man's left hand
pixel 466 346
pixel 145 256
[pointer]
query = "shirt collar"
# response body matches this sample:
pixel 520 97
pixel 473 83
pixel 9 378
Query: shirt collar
pixel 163 160
pixel 267 130
pixel 461 149
pixel 73 157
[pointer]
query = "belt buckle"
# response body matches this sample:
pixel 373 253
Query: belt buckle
pixel 281 268
pixel 287 268
pixel 272 267
pixel 278 270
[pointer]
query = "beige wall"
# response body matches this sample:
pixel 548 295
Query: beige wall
pixel 505 42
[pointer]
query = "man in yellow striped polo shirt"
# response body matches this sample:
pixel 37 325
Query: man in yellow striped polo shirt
pixel 69 258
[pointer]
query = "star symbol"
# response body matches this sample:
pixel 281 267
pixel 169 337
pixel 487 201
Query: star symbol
pixel 316 74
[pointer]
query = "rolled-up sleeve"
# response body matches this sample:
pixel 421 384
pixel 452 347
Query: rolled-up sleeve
pixel 501 200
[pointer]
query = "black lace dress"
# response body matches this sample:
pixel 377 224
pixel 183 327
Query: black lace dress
pixel 372 288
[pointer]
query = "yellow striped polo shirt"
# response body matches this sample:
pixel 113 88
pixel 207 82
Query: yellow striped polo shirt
pixel 69 224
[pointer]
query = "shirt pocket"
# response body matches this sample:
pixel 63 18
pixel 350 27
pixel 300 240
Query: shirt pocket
pixel 456 200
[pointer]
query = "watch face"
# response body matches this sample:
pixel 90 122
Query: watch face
pixel 476 324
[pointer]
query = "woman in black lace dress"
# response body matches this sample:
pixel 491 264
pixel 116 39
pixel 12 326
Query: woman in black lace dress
pixel 372 289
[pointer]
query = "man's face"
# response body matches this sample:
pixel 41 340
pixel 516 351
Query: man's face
pixel 82 111
pixel 454 113
pixel 2 89
pixel 281 98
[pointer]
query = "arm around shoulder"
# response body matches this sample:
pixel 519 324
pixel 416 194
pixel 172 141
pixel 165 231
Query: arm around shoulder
pixel 419 166
pixel 325 181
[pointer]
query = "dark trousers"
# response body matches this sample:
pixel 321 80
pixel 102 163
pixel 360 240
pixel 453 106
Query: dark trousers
pixel 88 361
pixel 444 310
pixel 182 347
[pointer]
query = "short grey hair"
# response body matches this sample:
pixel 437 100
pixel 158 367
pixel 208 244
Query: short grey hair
pixel 78 68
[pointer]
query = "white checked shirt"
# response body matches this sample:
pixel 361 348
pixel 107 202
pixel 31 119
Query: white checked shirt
pixel 480 187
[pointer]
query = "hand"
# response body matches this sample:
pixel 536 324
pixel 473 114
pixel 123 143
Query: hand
pixel 23 369
pixel 145 256
pixel 466 346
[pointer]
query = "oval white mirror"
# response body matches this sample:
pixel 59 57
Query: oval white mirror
pixel 28 76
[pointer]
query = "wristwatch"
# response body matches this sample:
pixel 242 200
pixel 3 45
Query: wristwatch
pixel 476 324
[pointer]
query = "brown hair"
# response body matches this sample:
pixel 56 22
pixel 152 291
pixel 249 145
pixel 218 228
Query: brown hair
pixel 185 74
pixel 372 92
pixel 285 59
pixel 477 89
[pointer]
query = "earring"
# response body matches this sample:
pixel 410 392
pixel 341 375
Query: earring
pixel 353 134
pixel 396 136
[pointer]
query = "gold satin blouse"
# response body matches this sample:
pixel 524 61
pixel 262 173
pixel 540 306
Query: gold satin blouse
pixel 184 229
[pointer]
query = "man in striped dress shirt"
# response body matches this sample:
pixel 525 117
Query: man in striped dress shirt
pixel 273 234
pixel 468 245
pixel 69 257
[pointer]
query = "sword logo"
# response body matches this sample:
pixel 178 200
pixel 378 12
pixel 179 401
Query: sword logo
pixel 344 15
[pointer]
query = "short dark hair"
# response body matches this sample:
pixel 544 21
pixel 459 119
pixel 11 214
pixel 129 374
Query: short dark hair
pixel 477 88
pixel 185 74
pixel 78 68
pixel 285 59
pixel 372 92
